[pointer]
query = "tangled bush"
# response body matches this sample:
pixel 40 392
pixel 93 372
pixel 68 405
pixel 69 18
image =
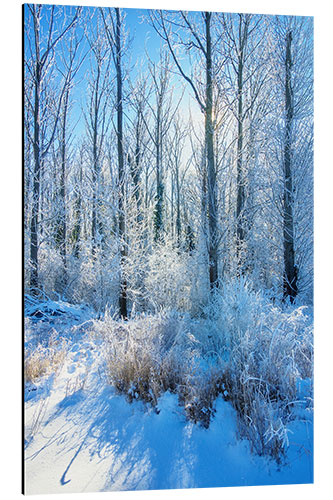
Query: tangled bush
pixel 94 279
pixel 243 347
pixel 135 364
pixel 167 283
pixel 51 274
pixel 154 354
pixel 198 392
pixel 269 350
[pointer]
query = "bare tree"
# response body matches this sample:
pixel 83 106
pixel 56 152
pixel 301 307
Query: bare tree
pixel 162 112
pixel 290 277
pixel 97 117
pixel 177 168
pixel 245 75
pixel 40 53
pixel 139 99
pixel 69 65
pixel 294 38
pixel 198 38
pixel 114 28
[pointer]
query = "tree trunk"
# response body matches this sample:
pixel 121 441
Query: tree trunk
pixel 121 177
pixel 158 216
pixel 78 215
pixel 95 167
pixel 240 176
pixel 178 220
pixel 211 173
pixel 290 269
pixel 37 171
pixel 63 227
pixel 136 172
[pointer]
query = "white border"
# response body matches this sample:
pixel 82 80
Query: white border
pixel 10 199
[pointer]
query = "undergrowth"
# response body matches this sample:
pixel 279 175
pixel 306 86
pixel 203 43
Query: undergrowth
pixel 42 359
pixel 150 355
pixel 242 347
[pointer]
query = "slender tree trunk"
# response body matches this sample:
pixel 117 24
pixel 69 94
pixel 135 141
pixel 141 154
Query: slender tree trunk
pixel 158 220
pixel 290 269
pixel 203 200
pixel 211 173
pixel 121 176
pixel 240 176
pixel 178 221
pixel 135 173
pixel 63 227
pixel 37 173
pixel 243 33
pixel 172 195
pixel 78 216
pixel 95 169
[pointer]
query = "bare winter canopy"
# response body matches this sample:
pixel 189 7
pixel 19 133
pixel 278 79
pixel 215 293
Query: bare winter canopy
pixel 166 157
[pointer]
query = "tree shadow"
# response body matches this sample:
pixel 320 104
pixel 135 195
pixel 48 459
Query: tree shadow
pixel 127 442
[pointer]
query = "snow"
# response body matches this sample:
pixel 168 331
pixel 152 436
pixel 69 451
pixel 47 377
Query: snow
pixel 81 436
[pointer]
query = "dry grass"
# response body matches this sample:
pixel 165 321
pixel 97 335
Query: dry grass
pixel 141 373
pixel 198 393
pixel 261 378
pixel 152 355
pixel 43 360
pixel 267 352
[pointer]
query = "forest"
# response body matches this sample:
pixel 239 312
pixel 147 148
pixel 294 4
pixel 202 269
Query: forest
pixel 168 213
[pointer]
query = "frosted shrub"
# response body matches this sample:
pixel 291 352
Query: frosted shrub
pixel 270 349
pixel 235 307
pixel 51 271
pixel 265 425
pixel 149 355
pixel 94 280
pixel 135 269
pixel 200 287
pixel 199 389
pixel 168 280
pixel 139 358
pixel 242 347
pixel 91 279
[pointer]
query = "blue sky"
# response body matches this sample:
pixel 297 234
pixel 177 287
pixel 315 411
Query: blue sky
pixel 143 40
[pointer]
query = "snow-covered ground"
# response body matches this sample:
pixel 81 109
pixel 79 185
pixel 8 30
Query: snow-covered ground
pixel 82 436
